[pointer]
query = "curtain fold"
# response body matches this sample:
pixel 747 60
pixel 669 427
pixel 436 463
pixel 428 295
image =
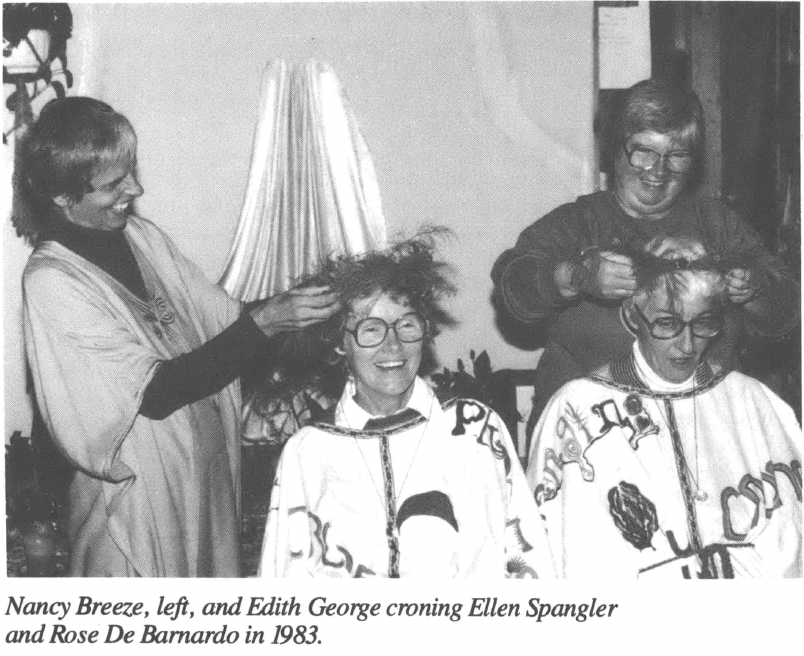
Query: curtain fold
pixel 312 190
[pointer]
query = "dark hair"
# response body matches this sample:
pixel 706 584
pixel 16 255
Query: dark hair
pixel 59 154
pixel 658 106
pixel 681 265
pixel 407 271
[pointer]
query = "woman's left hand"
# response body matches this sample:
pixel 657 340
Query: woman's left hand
pixel 742 286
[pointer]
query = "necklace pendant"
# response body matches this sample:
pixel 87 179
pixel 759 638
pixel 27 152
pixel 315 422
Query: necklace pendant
pixel 701 496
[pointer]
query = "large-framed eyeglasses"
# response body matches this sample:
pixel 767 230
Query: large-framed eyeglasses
pixel 641 157
pixel 704 327
pixel 372 331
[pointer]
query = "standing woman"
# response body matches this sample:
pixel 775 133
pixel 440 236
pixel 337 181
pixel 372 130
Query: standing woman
pixel 566 270
pixel 396 482
pixel 135 356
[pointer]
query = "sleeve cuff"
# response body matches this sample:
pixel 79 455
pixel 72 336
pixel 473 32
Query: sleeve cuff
pixel 529 287
pixel 250 331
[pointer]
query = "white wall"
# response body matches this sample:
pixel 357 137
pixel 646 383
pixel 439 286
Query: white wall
pixel 478 115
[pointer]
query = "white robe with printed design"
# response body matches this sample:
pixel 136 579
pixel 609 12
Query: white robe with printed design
pixel 440 497
pixel 624 495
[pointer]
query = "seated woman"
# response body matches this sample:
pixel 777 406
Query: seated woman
pixel 661 464
pixel 393 482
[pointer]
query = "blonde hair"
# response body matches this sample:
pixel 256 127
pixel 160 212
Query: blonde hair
pixel 72 140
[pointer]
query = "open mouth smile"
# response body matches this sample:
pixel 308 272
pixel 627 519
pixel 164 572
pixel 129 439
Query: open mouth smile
pixel 390 365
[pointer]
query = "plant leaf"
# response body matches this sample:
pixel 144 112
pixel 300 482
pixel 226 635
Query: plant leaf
pixel 483 366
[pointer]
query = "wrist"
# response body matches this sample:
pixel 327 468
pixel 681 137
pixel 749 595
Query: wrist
pixel 565 275
pixel 249 322
pixel 267 328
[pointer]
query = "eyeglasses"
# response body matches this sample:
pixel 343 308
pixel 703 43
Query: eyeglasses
pixel 640 157
pixel 668 327
pixel 409 328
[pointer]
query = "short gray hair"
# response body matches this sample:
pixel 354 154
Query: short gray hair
pixel 681 267
pixel 657 106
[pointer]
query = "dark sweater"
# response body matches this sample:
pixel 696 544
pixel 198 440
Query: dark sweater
pixel 586 333
pixel 187 378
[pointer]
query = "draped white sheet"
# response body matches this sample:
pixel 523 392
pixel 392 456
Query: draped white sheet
pixel 312 189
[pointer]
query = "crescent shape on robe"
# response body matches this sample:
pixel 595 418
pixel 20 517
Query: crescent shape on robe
pixel 429 504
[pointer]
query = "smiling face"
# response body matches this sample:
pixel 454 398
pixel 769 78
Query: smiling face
pixel 383 374
pixel 106 207
pixel 648 193
pixel 673 359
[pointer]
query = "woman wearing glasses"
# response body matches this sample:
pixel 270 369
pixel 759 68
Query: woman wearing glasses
pixel 568 271
pixel 662 463
pixel 395 482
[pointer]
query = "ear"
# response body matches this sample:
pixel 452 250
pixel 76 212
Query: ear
pixel 339 350
pixel 628 315
pixel 63 201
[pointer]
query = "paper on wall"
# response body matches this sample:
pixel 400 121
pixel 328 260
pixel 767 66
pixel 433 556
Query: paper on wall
pixel 623 43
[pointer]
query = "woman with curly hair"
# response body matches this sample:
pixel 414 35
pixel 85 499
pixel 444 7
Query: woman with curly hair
pixel 393 481
pixel 663 463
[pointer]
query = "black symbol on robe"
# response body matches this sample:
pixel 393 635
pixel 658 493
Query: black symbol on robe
pixel 715 559
pixel 634 514
pixel 519 569
pixel 462 419
pixel 609 412
pixel 427 504
pixel 496 445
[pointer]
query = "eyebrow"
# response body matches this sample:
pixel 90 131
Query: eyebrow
pixel 673 315
pixel 641 146
pixel 113 183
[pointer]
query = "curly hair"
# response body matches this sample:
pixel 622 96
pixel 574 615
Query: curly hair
pixel 407 271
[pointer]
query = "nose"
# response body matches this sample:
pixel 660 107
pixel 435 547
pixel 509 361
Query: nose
pixel 132 185
pixel 392 341
pixel 660 166
pixel 686 341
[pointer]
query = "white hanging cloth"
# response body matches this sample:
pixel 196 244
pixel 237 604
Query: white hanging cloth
pixel 312 189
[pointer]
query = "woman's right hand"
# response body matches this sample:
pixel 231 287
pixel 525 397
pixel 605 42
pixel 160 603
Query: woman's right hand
pixel 602 274
pixel 295 309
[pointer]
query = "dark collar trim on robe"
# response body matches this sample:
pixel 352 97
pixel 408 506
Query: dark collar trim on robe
pixel 379 426
pixel 624 377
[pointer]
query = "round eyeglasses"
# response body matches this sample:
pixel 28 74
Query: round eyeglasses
pixel 641 157
pixel 372 331
pixel 704 327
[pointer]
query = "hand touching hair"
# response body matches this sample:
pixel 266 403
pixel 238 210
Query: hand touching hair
pixel 407 270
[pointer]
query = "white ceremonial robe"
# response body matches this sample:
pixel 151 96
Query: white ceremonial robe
pixel 696 480
pixel 149 497
pixel 435 491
